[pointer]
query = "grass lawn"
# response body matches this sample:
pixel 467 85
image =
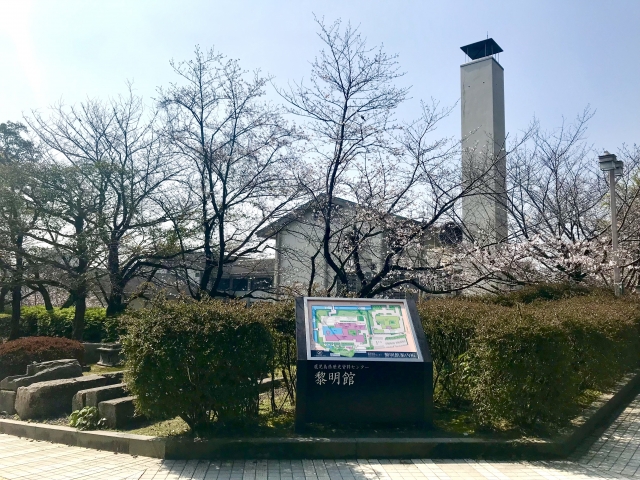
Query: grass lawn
pixel 448 422
pixel 98 369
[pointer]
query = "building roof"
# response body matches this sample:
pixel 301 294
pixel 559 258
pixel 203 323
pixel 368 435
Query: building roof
pixel 448 233
pixel 299 212
pixel 480 49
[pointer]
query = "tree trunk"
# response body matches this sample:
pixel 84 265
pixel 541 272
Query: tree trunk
pixel 70 301
pixel 115 302
pixel 3 297
pixel 16 290
pixel 81 280
pixel 46 298
pixel 16 301
pixel 78 319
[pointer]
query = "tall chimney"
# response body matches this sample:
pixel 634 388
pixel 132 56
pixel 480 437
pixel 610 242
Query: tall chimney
pixel 483 143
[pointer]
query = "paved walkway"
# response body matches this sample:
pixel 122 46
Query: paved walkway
pixel 615 454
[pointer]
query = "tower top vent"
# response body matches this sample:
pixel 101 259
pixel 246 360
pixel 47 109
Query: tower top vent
pixel 480 49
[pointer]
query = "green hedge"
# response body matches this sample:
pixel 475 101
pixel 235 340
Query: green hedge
pixel 519 360
pixel 527 364
pixel 202 361
pixel 59 323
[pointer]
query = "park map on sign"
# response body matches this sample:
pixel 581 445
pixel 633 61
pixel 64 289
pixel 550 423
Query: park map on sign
pixel 362 330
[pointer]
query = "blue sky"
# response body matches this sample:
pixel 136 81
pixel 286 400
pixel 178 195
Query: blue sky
pixel 559 56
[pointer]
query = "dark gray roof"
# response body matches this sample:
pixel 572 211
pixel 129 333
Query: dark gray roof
pixel 480 49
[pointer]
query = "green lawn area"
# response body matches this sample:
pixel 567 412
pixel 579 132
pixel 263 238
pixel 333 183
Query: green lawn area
pixel 98 369
pixel 388 321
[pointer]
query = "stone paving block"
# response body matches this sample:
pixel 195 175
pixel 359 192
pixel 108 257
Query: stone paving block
pixel 52 398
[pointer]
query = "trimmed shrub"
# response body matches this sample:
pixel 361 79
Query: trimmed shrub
pixel 522 372
pixel 279 318
pixel 202 361
pixel 543 291
pixel 604 335
pixel 526 364
pixel 17 354
pixel 59 323
pixel 450 325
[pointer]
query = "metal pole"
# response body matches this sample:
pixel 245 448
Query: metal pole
pixel 617 284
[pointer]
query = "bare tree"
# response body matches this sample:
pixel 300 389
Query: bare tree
pixel 68 232
pixel 558 210
pixel 381 190
pixel 17 216
pixel 118 140
pixel 239 158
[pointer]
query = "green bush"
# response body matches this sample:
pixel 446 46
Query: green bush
pixel 279 318
pixel 202 361
pixel 527 363
pixel 521 369
pixel 17 354
pixel 603 332
pixel 450 326
pixel 59 323
pixel 540 292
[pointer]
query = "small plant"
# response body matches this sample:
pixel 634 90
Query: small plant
pixel 87 418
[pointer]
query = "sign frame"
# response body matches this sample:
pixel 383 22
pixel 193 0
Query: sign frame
pixel 384 393
pixel 332 358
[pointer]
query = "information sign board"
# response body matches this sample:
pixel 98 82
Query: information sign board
pixel 361 361
pixel 360 330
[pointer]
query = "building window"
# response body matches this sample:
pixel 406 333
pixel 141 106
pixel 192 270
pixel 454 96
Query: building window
pixel 261 282
pixel 240 284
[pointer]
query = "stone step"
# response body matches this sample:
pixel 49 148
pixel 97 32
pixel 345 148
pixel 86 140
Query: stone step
pixel 93 396
pixel 52 398
pixel 7 401
pixel 119 412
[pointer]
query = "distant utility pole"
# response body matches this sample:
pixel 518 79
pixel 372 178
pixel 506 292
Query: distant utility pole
pixel 609 163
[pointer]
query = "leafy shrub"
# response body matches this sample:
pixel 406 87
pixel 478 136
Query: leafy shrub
pixel 279 318
pixel 202 361
pixel 87 418
pixel 544 291
pixel 526 364
pixel 59 323
pixel 17 354
pixel 522 372
pixel 604 335
pixel 450 326
pixel 5 325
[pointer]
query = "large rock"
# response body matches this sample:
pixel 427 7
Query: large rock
pixel 52 398
pixel 7 401
pixel 113 377
pixel 41 372
pixel 119 412
pixel 93 396
pixel 35 368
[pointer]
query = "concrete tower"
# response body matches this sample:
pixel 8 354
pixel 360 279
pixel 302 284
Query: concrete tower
pixel 483 143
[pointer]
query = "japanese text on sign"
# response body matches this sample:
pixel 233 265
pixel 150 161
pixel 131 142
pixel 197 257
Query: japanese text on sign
pixel 335 378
